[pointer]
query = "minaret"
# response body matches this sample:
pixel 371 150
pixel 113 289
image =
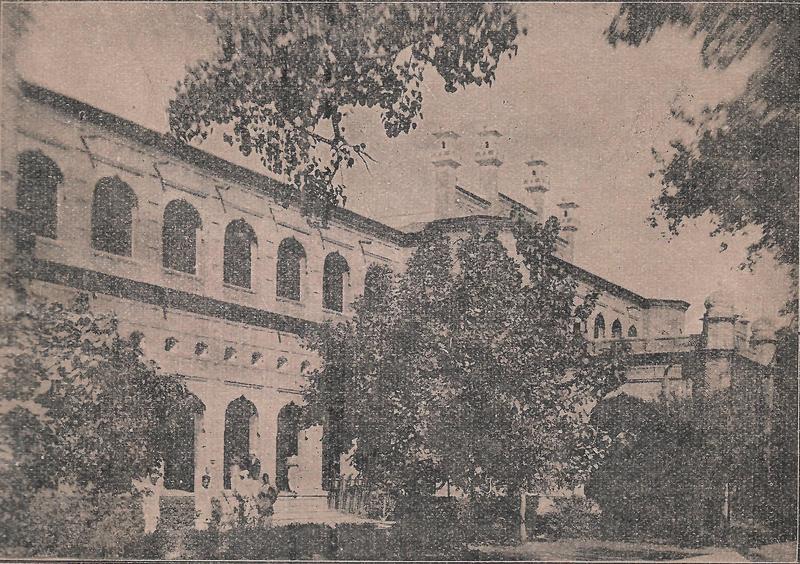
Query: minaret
pixel 537 184
pixel 445 161
pixel 487 156
pixel 569 226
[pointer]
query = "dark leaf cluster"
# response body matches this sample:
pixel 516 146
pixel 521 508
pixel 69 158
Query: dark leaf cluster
pixel 742 164
pixel 286 74
pixel 467 370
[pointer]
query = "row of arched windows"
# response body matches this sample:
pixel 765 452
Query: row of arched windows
pixel 616 328
pixel 113 204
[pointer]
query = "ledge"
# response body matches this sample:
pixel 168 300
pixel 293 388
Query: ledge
pixel 113 257
pixel 241 289
pixel 181 274
pixel 168 298
pixel 290 301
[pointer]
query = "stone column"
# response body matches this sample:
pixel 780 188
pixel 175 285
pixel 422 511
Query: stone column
pixel 269 436
pixel 309 460
pixel 212 447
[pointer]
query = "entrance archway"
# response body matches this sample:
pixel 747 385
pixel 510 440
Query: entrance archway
pixel 241 424
pixel 180 460
pixel 288 428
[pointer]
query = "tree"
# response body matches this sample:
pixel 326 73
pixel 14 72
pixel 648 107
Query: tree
pixel 285 76
pixel 742 164
pixel 467 370
pixel 781 507
pixel 81 408
pixel 680 466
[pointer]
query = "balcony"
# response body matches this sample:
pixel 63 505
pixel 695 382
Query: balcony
pixel 684 343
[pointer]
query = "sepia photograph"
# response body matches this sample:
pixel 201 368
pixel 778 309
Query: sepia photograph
pixel 402 281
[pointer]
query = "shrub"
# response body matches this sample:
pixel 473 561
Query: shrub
pixel 152 546
pixel 428 527
pixel 489 520
pixel 202 545
pixel 573 517
pixel 75 523
pixel 416 537
pixel 665 480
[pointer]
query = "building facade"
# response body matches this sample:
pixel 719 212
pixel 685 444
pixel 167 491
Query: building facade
pixel 206 261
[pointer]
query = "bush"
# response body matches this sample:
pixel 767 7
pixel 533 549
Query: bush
pixel 665 479
pixel 290 542
pixel 415 537
pixel 489 520
pixel 75 523
pixel 202 545
pixel 152 546
pixel 573 517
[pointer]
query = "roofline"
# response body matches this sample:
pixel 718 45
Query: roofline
pixel 517 203
pixel 217 166
pixel 455 223
pixel 613 288
pixel 474 196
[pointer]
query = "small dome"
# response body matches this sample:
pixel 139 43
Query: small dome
pixel 720 304
pixel 762 328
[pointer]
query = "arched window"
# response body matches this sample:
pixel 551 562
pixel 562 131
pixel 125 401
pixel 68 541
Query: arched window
pixel 291 256
pixel 112 216
pixel 632 332
pixel 179 236
pixel 599 327
pixel 616 329
pixel 37 191
pixel 239 241
pixel 333 278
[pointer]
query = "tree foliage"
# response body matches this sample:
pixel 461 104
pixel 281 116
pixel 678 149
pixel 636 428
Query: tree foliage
pixel 285 75
pixel 81 407
pixel 677 466
pixel 742 164
pixel 466 369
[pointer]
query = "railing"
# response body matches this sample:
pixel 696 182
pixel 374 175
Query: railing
pixel 685 343
pixel 353 495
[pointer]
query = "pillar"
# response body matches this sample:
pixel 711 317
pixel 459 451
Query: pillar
pixel 309 460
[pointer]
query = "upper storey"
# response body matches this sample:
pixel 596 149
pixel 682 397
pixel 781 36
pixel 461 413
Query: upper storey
pixel 111 197
pixel 144 216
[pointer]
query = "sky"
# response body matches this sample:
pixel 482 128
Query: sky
pixel 593 112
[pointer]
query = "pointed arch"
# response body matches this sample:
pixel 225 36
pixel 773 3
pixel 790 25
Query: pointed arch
pixel 616 329
pixel 288 427
pixel 290 267
pixel 632 332
pixel 241 424
pixel 179 236
pixel 599 327
pixel 180 461
pixel 37 191
pixel 112 216
pixel 238 253
pixel 334 275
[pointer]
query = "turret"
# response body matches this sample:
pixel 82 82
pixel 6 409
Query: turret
pixel 762 341
pixel 537 184
pixel 446 163
pixel 569 226
pixel 720 321
pixel 487 155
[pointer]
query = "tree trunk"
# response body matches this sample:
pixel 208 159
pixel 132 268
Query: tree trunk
pixel 523 510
